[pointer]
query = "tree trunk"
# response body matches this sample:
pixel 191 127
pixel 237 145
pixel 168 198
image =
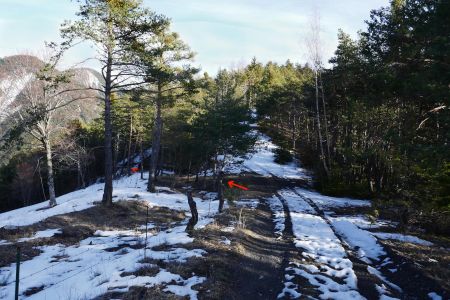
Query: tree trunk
pixel 220 191
pixel 116 144
pixel 129 146
pixel 81 174
pixel 193 207
pixel 319 130
pixel 156 143
pixel 50 175
pixel 327 135
pixel 293 134
pixel 141 149
pixel 108 190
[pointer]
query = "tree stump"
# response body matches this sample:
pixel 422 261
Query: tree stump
pixel 193 207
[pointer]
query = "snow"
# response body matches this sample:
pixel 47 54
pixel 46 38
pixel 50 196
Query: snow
pixel 434 296
pixel 364 223
pixel 318 242
pixel 41 234
pixel 228 229
pixel 278 214
pixel 225 241
pixel 378 274
pixel 402 238
pixel 250 203
pixel 327 202
pixel 94 267
pixel 186 288
pixel 263 162
pixel 361 240
pixel 126 188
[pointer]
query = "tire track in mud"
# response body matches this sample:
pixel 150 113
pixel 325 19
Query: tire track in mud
pixel 366 282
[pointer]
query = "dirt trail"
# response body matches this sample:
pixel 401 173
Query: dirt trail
pixel 254 267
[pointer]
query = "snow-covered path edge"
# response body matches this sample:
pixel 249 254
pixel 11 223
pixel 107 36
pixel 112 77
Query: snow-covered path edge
pixel 90 269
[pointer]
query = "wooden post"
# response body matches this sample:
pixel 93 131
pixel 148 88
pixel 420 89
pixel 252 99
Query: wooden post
pixel 193 207
pixel 146 230
pixel 17 273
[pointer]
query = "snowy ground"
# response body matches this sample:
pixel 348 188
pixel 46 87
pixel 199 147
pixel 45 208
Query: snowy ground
pixel 262 162
pixel 328 243
pixel 325 239
pixel 91 269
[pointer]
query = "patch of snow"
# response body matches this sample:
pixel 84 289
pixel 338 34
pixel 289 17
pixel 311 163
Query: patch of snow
pixel 434 296
pixel 262 161
pixel 289 290
pixel 364 223
pixel 41 234
pixel 186 288
pixel 225 241
pixel 143 227
pixel 402 238
pixel 107 233
pixel 278 214
pixel 92 268
pixel 227 229
pixel 377 273
pixel 360 240
pixel 251 203
pixel 326 202
pixel 127 188
pixel 317 240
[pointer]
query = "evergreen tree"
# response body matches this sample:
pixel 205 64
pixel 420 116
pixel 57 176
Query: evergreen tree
pixel 113 28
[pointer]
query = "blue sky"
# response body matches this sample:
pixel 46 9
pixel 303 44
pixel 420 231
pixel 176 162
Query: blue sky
pixel 222 33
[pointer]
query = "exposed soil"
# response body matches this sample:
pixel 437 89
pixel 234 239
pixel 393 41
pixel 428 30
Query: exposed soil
pixel 253 265
pixel 80 225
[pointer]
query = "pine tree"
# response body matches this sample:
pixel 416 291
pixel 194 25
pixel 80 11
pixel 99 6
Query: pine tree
pixel 113 28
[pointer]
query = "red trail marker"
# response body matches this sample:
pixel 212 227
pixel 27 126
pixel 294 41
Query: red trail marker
pixel 231 184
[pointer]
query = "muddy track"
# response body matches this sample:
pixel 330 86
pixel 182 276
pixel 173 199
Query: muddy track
pixel 260 271
pixel 366 281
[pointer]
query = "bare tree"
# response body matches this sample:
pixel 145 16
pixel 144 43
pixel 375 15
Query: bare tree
pixel 314 48
pixel 44 106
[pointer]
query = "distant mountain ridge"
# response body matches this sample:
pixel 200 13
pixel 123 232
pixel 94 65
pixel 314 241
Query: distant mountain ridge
pixel 18 70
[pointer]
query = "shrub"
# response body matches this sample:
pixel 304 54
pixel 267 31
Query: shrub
pixel 283 156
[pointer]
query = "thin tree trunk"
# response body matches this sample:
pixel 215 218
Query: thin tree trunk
pixel 293 133
pixel 108 190
pixel 81 174
pixel 156 143
pixel 327 135
pixel 220 190
pixel 141 149
pixel 319 130
pixel 50 175
pixel 129 146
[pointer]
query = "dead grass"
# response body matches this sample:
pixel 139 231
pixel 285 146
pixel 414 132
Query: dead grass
pixel 76 226
pixel 429 264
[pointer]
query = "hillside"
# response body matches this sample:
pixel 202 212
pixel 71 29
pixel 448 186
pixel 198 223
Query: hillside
pixel 299 151
pixel 16 72
pixel 280 240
